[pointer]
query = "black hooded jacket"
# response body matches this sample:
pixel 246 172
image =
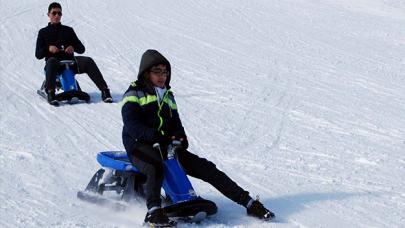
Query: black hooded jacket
pixel 60 36
pixel 145 118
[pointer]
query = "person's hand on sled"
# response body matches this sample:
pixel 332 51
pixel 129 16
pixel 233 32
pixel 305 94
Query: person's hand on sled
pixel 70 50
pixel 182 138
pixel 53 49
pixel 162 139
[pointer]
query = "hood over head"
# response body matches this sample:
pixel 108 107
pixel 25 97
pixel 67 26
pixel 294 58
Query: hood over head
pixel 152 58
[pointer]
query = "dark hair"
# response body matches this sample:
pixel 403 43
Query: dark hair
pixel 146 82
pixel 54 5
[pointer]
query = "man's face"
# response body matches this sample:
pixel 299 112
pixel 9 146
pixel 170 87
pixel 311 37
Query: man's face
pixel 55 15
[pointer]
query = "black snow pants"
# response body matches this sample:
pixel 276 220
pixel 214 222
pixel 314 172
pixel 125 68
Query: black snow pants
pixel 149 162
pixel 83 64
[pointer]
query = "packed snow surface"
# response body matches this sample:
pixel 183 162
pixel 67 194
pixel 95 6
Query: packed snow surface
pixel 301 102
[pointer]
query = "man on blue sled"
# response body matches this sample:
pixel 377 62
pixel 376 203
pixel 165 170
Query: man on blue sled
pixel 58 42
pixel 150 116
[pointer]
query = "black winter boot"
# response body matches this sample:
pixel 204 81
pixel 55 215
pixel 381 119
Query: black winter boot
pixel 52 98
pixel 106 96
pixel 158 218
pixel 257 209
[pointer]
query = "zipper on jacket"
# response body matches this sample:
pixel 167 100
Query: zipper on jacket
pixel 160 105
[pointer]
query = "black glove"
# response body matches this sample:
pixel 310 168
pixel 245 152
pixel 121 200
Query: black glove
pixel 182 138
pixel 163 140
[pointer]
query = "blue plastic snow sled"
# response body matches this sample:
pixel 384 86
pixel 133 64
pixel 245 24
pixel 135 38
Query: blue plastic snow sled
pixel 121 176
pixel 65 81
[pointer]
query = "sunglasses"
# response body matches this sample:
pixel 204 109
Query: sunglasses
pixel 159 71
pixel 54 13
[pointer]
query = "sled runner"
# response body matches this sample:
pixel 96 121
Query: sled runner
pixel 120 176
pixel 71 91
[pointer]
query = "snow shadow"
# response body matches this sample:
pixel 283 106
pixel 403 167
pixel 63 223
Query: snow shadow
pixel 287 205
pixel 231 214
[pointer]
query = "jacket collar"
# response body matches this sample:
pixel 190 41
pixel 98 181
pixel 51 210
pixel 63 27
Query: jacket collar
pixel 57 25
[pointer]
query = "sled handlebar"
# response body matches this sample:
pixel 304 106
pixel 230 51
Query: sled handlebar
pixel 66 63
pixel 174 143
pixel 171 149
pixel 156 146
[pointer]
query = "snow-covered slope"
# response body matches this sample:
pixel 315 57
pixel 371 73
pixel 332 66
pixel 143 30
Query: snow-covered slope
pixel 301 102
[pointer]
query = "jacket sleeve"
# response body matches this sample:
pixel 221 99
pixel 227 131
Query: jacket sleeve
pixel 77 44
pixel 176 126
pixel 131 116
pixel 41 48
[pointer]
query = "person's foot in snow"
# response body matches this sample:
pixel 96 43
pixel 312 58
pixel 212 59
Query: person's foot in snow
pixel 158 218
pixel 256 209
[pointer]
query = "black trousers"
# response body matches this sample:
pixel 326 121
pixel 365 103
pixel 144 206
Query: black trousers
pixel 149 162
pixel 83 65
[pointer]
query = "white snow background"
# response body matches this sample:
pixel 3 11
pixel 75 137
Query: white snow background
pixel 302 102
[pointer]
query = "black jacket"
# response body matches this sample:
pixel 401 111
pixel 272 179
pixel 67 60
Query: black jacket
pixel 145 118
pixel 60 36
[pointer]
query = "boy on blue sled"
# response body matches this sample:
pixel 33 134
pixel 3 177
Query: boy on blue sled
pixel 57 44
pixel 150 116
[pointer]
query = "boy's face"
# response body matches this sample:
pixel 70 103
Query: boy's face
pixel 158 75
pixel 55 15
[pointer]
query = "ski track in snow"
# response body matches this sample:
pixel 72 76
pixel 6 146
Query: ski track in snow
pixel 300 102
